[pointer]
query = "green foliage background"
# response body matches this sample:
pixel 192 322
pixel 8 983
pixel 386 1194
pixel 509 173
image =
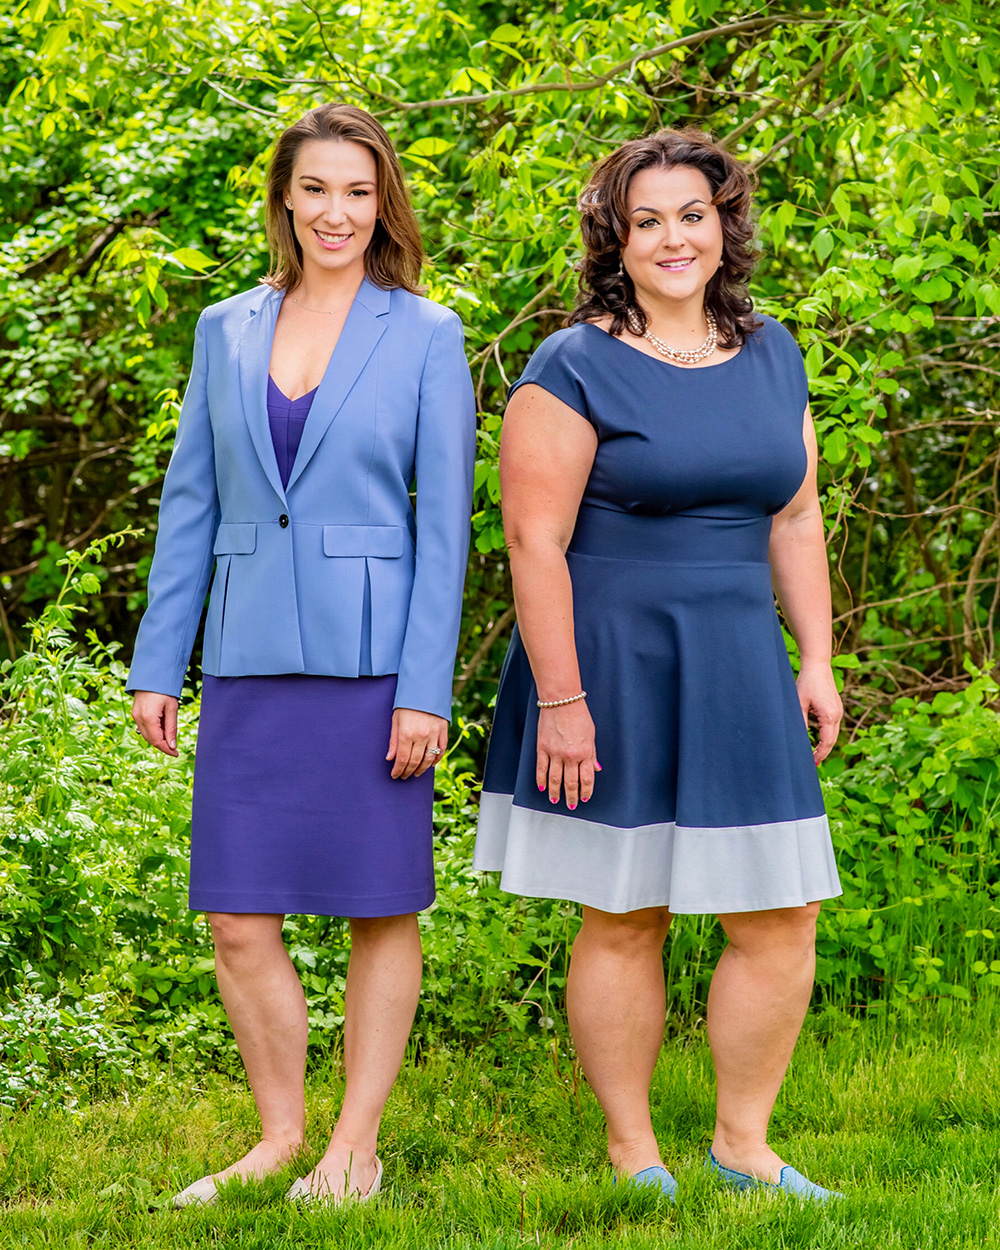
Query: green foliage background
pixel 134 140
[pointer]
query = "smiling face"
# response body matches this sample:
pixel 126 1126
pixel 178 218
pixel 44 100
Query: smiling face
pixel 675 237
pixel 333 196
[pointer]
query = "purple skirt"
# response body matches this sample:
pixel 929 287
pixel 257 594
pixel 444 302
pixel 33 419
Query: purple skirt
pixel 295 810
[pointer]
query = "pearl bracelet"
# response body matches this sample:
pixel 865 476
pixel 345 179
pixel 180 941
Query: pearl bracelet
pixel 560 702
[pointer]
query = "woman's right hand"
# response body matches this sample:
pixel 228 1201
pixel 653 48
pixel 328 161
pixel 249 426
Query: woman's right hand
pixel 155 717
pixel 567 755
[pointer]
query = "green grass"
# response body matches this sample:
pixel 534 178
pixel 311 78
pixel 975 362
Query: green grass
pixel 907 1125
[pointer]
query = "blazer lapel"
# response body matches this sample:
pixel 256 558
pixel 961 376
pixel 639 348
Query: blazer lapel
pixel 256 337
pixel 364 326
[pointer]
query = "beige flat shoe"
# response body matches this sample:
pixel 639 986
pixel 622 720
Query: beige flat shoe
pixel 300 1191
pixel 203 1191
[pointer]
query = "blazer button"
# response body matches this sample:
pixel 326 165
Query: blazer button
pixel 283 520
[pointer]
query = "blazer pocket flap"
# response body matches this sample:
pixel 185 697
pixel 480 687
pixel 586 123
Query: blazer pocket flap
pixel 236 539
pixel 385 541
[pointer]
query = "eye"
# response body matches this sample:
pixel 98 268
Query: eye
pixel 360 191
pixel 693 217
pixel 647 221
pixel 319 189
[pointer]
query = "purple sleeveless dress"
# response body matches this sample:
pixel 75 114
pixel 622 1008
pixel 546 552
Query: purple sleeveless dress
pixel 295 810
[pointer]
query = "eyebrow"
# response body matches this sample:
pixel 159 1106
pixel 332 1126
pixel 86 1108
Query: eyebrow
pixel 360 182
pixel 644 208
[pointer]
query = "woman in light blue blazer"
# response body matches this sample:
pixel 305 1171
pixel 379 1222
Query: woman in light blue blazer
pixel 314 402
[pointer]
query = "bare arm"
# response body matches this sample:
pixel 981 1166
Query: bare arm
pixel 546 454
pixel 802 584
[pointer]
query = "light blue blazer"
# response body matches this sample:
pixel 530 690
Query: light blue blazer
pixel 395 404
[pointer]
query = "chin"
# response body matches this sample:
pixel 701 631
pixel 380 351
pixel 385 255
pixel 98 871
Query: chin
pixel 335 260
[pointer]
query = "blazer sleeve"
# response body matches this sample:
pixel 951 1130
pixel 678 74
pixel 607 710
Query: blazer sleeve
pixel 445 464
pixel 182 558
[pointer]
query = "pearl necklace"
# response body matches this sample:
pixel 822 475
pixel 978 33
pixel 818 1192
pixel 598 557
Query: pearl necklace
pixel 679 355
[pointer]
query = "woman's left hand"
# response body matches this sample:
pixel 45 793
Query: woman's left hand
pixel 818 694
pixel 417 742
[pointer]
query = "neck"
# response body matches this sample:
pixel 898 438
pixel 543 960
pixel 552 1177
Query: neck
pixel 678 319
pixel 327 288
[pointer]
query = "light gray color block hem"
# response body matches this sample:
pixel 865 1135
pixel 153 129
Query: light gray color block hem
pixel 692 871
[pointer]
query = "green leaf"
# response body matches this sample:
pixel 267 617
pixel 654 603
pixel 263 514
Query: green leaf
pixel 507 34
pixel 969 178
pixel 55 40
pixel 850 660
pixel 935 289
pixel 823 243
pixel 841 203
pixel 991 297
pixel 906 268
pixel 835 445
pixel 941 204
pixel 191 258
pixel 429 146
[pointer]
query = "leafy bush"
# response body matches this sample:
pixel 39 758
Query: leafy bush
pixel 57 1052
pixel 914 804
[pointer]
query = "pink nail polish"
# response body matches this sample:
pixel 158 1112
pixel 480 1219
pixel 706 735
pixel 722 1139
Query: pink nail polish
pixel 541 788
pixel 553 800
pixel 572 807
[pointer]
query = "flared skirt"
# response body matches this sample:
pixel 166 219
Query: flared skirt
pixel 708 800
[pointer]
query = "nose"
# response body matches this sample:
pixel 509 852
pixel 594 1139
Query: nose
pixel 673 236
pixel 335 210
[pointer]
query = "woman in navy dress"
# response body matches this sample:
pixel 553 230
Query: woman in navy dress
pixel 650 755
pixel 313 402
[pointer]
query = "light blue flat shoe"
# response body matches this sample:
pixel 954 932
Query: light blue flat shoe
pixel 653 1178
pixel 791 1182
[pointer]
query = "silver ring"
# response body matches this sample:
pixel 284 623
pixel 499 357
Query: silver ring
pixel 433 751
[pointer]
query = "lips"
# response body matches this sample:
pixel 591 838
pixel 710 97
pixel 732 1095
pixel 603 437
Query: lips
pixel 332 242
pixel 675 266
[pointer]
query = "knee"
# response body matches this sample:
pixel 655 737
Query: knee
pixel 240 938
pixel 789 929
pixel 375 929
pixel 628 932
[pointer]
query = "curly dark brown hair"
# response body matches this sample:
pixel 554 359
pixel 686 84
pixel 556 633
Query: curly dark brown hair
pixel 605 290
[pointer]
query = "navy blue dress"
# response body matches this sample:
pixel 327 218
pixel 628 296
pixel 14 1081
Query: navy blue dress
pixel 295 810
pixel 709 800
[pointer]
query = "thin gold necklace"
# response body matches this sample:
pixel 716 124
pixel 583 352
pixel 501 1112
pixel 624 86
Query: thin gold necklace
pixel 327 312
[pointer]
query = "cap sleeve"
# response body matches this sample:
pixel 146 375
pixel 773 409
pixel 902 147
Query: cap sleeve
pixel 554 368
pixel 790 355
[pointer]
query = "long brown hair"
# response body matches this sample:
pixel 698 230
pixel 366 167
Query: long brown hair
pixel 605 289
pixel 395 253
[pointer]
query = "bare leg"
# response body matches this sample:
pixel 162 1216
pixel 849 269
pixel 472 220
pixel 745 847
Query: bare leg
pixel 758 1000
pixel 383 986
pixel 617 1007
pixel 267 1012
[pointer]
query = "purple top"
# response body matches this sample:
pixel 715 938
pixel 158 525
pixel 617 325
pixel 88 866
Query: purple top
pixel 287 419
